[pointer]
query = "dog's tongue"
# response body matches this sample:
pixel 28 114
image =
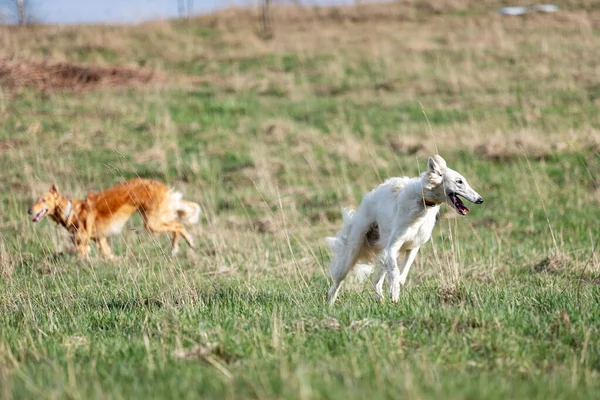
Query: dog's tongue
pixel 37 217
pixel 460 206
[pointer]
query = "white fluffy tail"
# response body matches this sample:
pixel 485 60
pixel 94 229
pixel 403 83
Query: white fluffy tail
pixel 187 211
pixel 336 244
pixel 332 243
pixel 362 272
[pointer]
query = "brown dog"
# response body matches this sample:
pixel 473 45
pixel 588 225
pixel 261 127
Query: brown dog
pixel 104 214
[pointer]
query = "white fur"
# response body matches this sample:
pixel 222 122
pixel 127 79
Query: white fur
pixel 186 211
pixel 115 226
pixel 397 210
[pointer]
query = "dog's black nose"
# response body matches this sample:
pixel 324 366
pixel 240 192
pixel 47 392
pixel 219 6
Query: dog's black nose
pixel 479 200
pixel 29 211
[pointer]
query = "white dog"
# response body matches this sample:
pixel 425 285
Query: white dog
pixel 398 216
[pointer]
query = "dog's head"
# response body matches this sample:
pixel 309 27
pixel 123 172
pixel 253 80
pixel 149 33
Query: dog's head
pixel 447 185
pixel 45 205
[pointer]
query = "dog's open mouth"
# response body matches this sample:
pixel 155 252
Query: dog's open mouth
pixel 458 204
pixel 40 215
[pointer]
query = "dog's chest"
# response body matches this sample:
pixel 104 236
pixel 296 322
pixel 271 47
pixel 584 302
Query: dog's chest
pixel 419 232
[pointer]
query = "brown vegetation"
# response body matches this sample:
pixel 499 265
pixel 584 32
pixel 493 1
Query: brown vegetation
pixel 46 76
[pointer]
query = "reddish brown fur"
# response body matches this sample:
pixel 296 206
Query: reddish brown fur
pixel 103 214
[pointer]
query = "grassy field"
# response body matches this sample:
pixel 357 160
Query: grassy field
pixel 272 138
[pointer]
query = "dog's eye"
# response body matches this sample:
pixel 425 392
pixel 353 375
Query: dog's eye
pixel 43 200
pixel 459 181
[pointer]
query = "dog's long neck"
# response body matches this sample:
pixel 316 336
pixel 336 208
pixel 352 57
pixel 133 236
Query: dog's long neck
pixel 430 189
pixel 64 212
pixel 429 203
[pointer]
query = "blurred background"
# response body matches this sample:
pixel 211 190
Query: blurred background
pixel 123 12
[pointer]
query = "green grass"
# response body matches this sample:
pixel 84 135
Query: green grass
pixel 502 303
pixel 100 333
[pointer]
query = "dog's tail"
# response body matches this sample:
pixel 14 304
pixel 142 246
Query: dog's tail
pixel 362 272
pixel 336 244
pixel 187 211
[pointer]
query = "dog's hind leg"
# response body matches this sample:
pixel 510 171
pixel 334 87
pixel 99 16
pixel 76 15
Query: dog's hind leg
pixel 188 238
pixel 174 244
pixel 339 270
pixel 154 225
pixel 345 258
pixel 333 292
pixel 176 234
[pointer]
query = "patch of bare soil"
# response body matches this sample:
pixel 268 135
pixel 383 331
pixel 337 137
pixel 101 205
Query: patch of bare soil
pixel 57 77
pixel 554 263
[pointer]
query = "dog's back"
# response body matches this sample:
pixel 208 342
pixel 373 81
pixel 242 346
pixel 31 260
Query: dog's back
pixel 157 204
pixel 138 193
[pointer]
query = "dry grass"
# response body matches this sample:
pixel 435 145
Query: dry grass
pixel 49 77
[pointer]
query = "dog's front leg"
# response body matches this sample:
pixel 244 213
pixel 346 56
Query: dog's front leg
pixel 391 265
pixel 408 260
pixel 105 248
pixel 378 283
pixel 81 241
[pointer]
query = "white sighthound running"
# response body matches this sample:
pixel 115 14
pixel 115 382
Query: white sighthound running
pixel 397 217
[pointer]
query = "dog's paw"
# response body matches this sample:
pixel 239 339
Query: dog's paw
pixel 379 292
pixel 395 292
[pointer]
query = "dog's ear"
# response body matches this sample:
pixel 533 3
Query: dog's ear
pixel 54 190
pixel 437 164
